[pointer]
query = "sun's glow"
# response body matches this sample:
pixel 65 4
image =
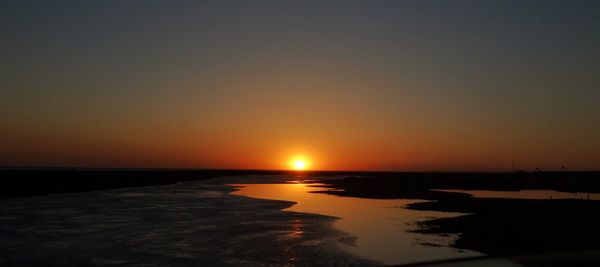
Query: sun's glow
pixel 299 163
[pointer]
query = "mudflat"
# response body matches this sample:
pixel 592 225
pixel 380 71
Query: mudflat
pixel 496 226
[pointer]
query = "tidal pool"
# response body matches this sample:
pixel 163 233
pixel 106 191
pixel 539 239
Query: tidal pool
pixel 379 228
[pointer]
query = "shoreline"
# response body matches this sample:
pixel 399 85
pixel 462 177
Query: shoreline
pixel 499 227
pixel 186 224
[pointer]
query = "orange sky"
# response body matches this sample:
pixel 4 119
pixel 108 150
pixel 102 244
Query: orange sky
pixel 353 86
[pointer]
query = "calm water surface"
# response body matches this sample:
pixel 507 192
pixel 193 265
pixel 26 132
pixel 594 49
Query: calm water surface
pixel 380 226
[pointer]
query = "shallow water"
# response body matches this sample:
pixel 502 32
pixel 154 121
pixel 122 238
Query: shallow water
pixel 380 227
pixel 525 194
pixel 185 224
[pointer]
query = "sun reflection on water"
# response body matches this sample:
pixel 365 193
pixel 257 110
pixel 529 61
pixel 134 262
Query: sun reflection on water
pixel 296 229
pixel 379 228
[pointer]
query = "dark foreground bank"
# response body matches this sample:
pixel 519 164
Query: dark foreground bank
pixel 494 226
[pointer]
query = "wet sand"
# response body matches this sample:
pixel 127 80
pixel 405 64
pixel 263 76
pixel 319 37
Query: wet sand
pixel 186 224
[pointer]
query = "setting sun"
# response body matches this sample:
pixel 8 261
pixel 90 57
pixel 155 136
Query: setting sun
pixel 299 163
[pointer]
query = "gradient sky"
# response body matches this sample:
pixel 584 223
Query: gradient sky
pixel 352 85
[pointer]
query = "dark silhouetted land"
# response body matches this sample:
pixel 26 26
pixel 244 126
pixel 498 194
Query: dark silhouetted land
pixel 34 182
pixel 495 226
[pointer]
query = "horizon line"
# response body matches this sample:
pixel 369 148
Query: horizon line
pixel 79 168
